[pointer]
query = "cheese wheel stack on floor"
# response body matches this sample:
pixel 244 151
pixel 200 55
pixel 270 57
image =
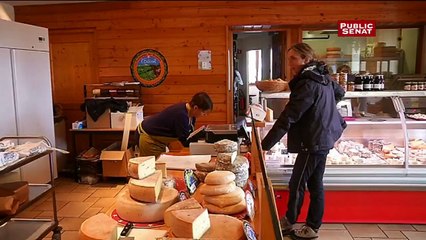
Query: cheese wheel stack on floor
pixel 221 195
pixel 187 219
pixel 146 198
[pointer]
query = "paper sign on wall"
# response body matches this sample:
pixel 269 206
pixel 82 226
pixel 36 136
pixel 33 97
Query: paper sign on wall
pixel 205 60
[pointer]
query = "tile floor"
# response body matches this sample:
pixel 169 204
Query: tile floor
pixel 76 202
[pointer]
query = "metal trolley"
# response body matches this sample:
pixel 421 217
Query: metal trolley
pixel 20 228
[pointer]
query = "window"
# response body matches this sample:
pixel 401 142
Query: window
pixel 391 52
pixel 254 65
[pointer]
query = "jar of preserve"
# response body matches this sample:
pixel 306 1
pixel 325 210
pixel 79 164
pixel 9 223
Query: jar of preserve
pixel 407 86
pixel 414 86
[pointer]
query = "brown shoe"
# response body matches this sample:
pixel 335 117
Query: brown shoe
pixel 306 232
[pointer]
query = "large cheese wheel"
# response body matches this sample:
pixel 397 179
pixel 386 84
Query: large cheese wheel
pixel 134 211
pixel 213 190
pixel 20 190
pixel 239 207
pixel 218 224
pixel 147 189
pixel 228 199
pixel 141 167
pixel 98 227
pixel 189 203
pixel 190 223
pixel 219 177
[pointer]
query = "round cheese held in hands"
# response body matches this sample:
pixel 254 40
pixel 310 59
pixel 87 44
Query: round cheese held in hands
pixel 219 177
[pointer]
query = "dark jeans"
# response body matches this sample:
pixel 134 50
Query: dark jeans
pixel 308 169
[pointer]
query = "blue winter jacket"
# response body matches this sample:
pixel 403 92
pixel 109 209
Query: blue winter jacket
pixel 310 117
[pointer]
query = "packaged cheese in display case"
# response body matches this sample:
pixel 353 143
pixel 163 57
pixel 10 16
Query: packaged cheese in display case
pixel 98 227
pixel 190 223
pixel 141 167
pixel 134 211
pixel 147 189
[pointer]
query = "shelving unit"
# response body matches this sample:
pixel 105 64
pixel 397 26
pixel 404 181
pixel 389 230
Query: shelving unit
pixel 20 228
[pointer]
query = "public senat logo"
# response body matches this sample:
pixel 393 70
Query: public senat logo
pixel 357 28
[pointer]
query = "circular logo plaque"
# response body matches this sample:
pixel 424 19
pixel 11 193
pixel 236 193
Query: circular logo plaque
pixel 149 67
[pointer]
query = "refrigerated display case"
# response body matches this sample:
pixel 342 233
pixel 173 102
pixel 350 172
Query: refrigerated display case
pixel 377 170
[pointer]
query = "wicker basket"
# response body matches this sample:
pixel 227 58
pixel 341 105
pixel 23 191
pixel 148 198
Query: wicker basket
pixel 272 85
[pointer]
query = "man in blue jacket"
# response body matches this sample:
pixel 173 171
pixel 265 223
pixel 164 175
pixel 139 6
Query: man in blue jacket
pixel 313 125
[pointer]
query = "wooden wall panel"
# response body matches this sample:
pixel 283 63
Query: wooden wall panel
pixel 178 29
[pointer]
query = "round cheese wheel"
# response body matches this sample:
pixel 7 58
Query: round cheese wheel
pixel 219 222
pixel 213 190
pixel 225 200
pixel 134 211
pixel 219 177
pixel 239 207
pixel 98 227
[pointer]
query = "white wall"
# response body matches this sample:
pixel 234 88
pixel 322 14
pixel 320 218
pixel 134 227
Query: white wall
pixel 7 12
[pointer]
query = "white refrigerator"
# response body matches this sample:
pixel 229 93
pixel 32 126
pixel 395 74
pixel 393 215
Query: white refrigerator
pixel 26 107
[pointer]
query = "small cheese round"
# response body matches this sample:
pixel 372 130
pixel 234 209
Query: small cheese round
pixel 239 207
pixel 219 177
pixel 225 200
pixel 213 190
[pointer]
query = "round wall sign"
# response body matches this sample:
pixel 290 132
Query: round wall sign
pixel 149 67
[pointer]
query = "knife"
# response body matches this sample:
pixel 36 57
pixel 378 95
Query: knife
pixel 125 232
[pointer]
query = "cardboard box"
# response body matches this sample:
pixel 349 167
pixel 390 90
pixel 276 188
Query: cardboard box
pixel 115 161
pixel 117 118
pixel 104 121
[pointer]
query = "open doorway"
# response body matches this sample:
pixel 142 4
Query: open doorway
pixel 256 56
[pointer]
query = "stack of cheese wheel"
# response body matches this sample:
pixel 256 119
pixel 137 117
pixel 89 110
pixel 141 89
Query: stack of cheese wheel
pixel 239 165
pixel 146 198
pixel 184 227
pixel 225 146
pixel 221 195
pixel 98 227
pixel 203 169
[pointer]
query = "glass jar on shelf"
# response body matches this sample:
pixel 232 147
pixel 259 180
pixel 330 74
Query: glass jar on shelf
pixel 407 86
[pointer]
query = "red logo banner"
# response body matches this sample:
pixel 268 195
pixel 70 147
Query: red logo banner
pixel 357 28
